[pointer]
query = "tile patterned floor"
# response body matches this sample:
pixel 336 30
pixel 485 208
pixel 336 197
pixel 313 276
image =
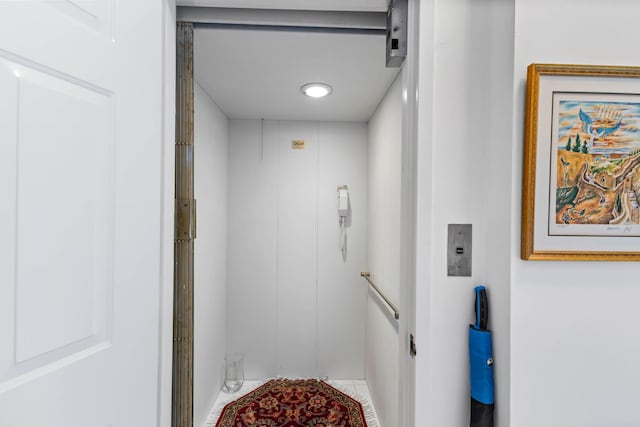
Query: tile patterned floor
pixel 356 388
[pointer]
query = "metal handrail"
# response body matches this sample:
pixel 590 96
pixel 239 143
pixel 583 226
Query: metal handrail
pixel 392 306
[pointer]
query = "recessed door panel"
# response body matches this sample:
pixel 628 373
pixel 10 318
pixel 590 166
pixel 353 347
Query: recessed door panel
pixel 92 7
pixel 65 208
pixel 95 14
pixel 8 180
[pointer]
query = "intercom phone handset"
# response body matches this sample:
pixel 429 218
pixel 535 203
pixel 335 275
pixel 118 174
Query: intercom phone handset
pixel 343 213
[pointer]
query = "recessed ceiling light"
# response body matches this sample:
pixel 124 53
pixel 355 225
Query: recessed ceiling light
pixel 316 90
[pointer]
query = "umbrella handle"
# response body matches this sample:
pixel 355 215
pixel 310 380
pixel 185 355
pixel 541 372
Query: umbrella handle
pixel 481 308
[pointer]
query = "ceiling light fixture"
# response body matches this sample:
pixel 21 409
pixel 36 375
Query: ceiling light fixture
pixel 316 90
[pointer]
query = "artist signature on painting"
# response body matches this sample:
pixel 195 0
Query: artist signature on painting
pixel 626 229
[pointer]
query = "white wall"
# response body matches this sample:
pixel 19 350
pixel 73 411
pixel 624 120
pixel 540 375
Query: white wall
pixel 563 331
pixel 464 176
pixel 211 142
pixel 297 250
pixel 168 209
pixel 252 245
pixel 295 308
pixel 341 291
pixel 383 253
pixel 574 348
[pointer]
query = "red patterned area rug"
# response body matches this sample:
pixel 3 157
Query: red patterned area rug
pixel 293 403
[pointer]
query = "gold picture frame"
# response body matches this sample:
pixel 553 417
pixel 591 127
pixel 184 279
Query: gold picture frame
pixel 581 163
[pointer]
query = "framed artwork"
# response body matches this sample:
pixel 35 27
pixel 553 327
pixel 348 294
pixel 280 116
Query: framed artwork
pixel 581 178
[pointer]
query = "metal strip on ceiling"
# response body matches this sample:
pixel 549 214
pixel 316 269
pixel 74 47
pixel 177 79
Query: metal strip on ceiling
pixel 365 22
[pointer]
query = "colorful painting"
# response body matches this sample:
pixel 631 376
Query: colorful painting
pixel 581 165
pixel 597 165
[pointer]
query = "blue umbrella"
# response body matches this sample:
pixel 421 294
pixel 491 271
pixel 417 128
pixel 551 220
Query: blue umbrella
pixel 481 364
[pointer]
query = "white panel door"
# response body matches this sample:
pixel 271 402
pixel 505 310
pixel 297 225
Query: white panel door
pixel 80 179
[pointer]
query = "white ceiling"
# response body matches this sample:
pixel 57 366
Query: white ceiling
pixel 342 5
pixel 254 74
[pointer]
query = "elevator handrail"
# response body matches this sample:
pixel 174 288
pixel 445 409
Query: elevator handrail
pixel 392 306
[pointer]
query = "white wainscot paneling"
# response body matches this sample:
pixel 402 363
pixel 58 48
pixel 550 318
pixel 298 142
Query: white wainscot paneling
pixel 253 245
pixel 297 250
pixel 62 297
pixel 342 293
pixel 211 133
pixel 306 303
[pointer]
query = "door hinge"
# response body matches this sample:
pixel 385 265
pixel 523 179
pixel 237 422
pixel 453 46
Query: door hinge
pixel 412 346
pixel 185 219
